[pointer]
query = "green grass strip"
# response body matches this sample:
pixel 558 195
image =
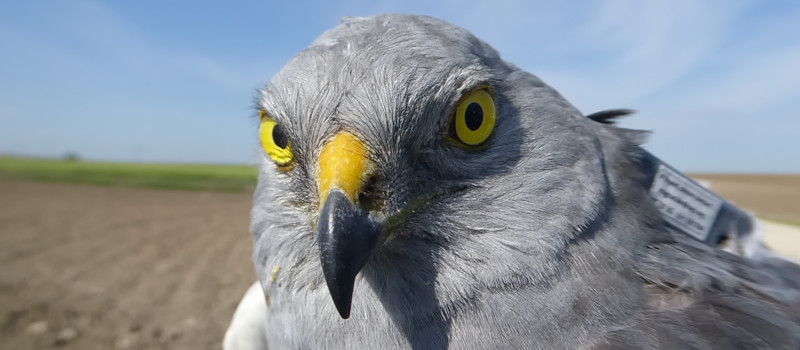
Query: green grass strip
pixel 780 221
pixel 206 177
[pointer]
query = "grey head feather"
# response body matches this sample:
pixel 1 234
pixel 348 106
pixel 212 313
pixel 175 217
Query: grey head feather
pixel 541 240
pixel 609 116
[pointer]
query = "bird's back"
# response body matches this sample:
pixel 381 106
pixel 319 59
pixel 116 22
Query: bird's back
pixel 699 297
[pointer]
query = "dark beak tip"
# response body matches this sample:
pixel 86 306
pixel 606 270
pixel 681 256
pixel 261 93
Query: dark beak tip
pixel 344 313
pixel 347 238
pixel 342 295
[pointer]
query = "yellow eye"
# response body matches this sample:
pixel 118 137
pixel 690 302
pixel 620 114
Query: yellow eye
pixel 275 142
pixel 474 117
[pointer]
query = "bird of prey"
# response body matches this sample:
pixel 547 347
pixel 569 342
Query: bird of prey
pixel 416 191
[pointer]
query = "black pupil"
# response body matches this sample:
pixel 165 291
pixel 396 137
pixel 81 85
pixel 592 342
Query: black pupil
pixel 473 116
pixel 279 137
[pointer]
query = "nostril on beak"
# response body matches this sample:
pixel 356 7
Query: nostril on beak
pixel 369 198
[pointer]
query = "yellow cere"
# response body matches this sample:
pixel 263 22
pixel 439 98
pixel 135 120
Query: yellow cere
pixel 475 117
pixel 344 164
pixel 275 142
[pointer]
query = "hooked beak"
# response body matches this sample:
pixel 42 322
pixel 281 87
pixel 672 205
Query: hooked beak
pixel 346 234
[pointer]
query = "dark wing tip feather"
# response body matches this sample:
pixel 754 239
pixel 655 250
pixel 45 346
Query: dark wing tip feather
pixel 608 116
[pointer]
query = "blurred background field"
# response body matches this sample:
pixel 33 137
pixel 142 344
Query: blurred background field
pixel 212 177
pixel 112 267
pixel 774 197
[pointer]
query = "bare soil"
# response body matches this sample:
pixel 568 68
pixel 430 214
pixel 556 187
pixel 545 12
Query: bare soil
pixel 776 197
pixel 87 267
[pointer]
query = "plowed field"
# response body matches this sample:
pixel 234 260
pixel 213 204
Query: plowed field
pixel 88 267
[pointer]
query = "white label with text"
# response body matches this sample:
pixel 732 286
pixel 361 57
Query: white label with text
pixel 685 204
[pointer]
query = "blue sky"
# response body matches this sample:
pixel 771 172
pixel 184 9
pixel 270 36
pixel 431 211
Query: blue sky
pixel 718 82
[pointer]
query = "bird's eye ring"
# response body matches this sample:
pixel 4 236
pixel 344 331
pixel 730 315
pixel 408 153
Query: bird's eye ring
pixel 275 142
pixel 474 117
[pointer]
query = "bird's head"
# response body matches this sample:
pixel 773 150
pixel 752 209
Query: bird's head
pixel 407 135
